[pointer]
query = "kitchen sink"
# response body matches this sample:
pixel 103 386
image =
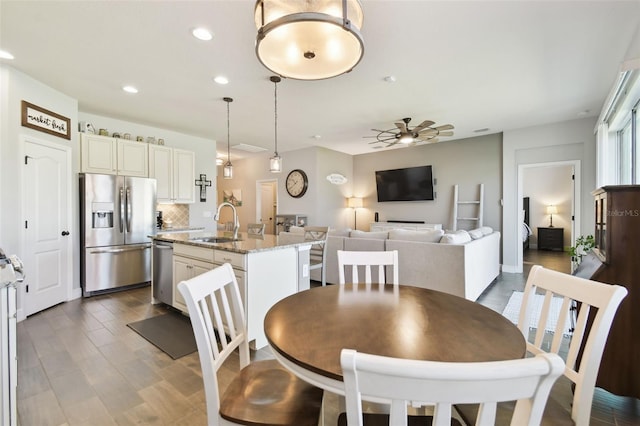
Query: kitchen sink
pixel 214 239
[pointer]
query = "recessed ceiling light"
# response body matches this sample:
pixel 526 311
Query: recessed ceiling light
pixel 583 113
pixel 390 79
pixel 221 79
pixel 5 55
pixel 129 89
pixel 316 136
pixel 485 129
pixel 202 34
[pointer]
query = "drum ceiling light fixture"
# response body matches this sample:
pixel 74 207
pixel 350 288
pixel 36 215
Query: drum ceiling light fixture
pixel 309 40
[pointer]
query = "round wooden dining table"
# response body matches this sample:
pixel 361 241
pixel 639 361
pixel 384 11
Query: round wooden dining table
pixel 308 330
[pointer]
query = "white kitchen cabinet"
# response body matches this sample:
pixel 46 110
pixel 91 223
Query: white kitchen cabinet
pixel 174 171
pixel 106 155
pixel 264 277
pixel 99 154
pixel 188 262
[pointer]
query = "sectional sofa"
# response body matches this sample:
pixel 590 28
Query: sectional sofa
pixel 463 263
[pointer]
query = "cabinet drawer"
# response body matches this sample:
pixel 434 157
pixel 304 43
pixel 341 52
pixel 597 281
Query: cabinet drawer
pixel 236 260
pixel 201 253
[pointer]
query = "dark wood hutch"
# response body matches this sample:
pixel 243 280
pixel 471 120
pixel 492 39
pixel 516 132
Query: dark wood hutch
pixel 616 260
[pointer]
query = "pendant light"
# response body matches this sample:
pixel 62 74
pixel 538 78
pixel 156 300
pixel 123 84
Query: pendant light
pixel 275 162
pixel 227 172
pixel 309 40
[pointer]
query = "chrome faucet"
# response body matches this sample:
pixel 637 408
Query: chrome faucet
pixel 236 222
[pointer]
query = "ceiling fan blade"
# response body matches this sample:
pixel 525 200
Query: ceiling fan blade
pixel 402 126
pixel 391 144
pixel 428 131
pixel 445 134
pixel 423 125
pixel 445 127
pixel 390 131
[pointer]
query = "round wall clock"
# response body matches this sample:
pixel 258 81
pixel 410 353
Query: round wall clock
pixel 297 183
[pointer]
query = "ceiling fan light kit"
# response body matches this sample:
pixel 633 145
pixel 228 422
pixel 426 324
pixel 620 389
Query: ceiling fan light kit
pixel 309 40
pixel 402 133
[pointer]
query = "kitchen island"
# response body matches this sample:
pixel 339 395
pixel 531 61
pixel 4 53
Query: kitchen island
pixel 267 269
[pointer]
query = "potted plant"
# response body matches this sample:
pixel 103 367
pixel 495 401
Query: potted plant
pixel 583 246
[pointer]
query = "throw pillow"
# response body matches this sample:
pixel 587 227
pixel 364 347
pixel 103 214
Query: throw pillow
pixel 459 237
pixel 486 230
pixel 476 233
pixel 428 236
pixel 340 232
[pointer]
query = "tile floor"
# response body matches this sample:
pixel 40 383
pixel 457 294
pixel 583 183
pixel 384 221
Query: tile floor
pixel 79 364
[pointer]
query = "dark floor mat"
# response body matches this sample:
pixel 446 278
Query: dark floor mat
pixel 171 333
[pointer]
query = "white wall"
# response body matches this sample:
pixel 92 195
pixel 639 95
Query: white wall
pixel 200 214
pixel 566 141
pixel 466 162
pixel 16 87
pixel 324 203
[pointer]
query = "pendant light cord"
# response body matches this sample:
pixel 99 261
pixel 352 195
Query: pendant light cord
pixel 228 133
pixel 275 96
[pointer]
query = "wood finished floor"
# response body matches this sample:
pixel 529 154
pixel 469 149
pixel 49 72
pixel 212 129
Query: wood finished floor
pixel 79 364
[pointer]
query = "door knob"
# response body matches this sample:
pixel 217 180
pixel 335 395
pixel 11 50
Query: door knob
pixel 65 233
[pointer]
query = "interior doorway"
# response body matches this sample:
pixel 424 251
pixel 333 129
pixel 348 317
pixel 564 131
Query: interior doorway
pixel 267 204
pixel 545 184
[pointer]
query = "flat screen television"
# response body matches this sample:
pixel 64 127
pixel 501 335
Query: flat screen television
pixel 408 184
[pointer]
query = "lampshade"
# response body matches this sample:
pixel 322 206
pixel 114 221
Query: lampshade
pixel 552 209
pixel 309 40
pixel 354 202
pixel 227 171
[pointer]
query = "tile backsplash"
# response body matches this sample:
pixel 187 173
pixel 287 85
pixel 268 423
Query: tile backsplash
pixel 178 214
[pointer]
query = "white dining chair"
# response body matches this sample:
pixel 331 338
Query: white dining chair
pixel 255 229
pixel 263 392
pixel 368 260
pixel 585 346
pixel 591 296
pixel 404 382
pixel 318 252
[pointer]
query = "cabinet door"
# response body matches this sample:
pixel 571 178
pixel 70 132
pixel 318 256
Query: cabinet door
pixel 133 158
pixel 183 176
pixel 161 169
pixel 98 154
pixel 182 271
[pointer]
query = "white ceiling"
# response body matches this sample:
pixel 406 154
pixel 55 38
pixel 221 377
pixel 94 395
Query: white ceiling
pixel 475 64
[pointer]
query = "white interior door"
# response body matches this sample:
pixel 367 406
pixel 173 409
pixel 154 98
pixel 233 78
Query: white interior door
pixel 47 248
pixel 267 205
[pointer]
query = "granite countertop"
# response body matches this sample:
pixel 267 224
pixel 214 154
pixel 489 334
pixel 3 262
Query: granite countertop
pixel 245 244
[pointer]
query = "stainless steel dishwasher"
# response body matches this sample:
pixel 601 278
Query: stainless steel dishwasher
pixel 163 271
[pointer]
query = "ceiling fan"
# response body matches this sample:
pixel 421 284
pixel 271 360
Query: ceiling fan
pixel 424 132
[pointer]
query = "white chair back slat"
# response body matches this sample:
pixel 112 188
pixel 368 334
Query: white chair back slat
pixel 369 261
pixel 400 381
pixel 588 294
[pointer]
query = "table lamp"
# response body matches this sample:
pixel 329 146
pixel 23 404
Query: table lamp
pixel 354 203
pixel 551 210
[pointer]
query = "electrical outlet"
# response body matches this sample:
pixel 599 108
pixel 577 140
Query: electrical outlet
pixel 305 271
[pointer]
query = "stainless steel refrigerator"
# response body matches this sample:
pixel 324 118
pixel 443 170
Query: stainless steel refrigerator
pixel 117 215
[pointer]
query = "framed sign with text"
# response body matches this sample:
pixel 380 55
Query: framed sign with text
pixel 46 121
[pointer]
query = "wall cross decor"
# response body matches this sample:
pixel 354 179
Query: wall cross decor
pixel 203 183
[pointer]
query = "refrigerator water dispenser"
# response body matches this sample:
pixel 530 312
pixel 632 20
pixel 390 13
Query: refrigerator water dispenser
pixel 102 215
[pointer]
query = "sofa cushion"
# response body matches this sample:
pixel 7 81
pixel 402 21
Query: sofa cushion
pixel 340 232
pixel 375 235
pixel 458 237
pixel 476 233
pixel 428 236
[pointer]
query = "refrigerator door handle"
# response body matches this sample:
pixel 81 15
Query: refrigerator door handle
pixel 121 208
pixel 120 250
pixel 128 208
